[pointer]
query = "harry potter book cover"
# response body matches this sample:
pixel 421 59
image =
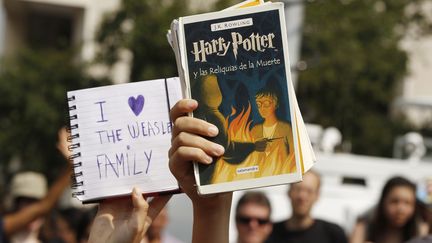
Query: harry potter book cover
pixel 237 68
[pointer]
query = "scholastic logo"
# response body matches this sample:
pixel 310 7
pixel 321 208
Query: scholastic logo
pixel 246 170
pixel 231 24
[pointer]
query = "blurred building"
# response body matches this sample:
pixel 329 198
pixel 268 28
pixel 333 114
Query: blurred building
pixel 415 100
pixel 45 23
pixel 416 92
pixel 27 23
pixel 75 22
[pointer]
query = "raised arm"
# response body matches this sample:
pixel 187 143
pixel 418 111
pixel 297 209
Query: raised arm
pixel 211 213
pixel 18 220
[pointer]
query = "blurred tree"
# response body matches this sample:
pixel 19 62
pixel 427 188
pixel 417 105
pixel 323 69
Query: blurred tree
pixel 34 82
pixel 355 66
pixel 141 27
pixel 33 105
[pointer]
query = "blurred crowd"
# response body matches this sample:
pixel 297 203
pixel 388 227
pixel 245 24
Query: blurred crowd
pixel 397 217
pixel 32 214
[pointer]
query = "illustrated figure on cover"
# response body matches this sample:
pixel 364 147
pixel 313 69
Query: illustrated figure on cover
pixel 235 151
pixel 276 132
pixel 266 150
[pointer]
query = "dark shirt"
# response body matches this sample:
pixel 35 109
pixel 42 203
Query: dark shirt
pixel 425 239
pixel 319 232
pixel 2 233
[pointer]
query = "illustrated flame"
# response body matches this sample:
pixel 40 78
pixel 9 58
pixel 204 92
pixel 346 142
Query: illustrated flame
pixel 269 163
pixel 239 128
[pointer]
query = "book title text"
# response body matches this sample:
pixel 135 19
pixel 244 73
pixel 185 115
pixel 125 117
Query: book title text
pixel 255 42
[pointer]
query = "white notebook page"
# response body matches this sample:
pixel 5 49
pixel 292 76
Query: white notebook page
pixel 124 136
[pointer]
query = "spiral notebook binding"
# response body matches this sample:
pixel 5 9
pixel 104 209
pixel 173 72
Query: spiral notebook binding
pixel 73 146
pixel 72 137
pixel 76 184
pixel 77 180
pixel 76 165
pixel 71 98
pixel 77 193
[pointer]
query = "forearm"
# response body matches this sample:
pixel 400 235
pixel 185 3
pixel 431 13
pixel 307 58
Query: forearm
pixel 56 190
pixel 211 220
pixel 16 221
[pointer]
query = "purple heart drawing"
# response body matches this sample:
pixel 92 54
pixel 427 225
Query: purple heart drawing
pixel 137 104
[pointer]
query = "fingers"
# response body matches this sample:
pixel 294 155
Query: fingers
pixel 187 143
pixel 190 140
pixel 139 215
pixel 194 125
pixel 188 154
pixel 182 107
pixel 138 201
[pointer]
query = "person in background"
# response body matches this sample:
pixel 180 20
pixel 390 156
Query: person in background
pixel 395 219
pixel 32 201
pixel 61 226
pixel 27 188
pixel 157 230
pixel 301 227
pixel 67 223
pixel 127 219
pixel 253 218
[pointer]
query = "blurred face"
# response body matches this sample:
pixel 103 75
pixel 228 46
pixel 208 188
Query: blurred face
pixel 24 202
pixel 253 223
pixel 399 205
pixel 266 106
pixel 304 194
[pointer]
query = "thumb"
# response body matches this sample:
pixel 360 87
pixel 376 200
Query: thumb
pixel 138 218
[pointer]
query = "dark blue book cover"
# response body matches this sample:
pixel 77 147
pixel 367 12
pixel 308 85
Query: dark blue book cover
pixel 238 71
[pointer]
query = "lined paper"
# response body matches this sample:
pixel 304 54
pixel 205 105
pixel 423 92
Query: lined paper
pixel 124 137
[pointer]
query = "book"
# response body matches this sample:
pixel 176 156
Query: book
pixel 235 63
pixel 245 4
pixel 120 137
pixel 307 155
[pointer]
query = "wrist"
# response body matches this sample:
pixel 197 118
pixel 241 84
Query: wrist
pixel 221 201
pixel 214 212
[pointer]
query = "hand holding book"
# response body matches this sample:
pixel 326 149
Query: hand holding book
pixel 188 145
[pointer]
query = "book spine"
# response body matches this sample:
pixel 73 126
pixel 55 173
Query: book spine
pixel 77 182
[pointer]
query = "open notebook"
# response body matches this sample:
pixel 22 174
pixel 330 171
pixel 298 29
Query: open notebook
pixel 121 135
